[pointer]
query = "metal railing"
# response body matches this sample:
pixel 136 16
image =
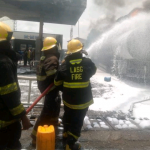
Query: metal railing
pixel 33 62
pixel 30 79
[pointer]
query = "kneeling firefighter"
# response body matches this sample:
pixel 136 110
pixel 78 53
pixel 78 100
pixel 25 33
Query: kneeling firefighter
pixel 11 109
pixel 46 71
pixel 74 75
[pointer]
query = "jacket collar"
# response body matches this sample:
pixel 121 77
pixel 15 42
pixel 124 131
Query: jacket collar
pixel 74 56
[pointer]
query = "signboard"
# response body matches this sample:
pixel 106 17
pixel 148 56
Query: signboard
pixel 30 35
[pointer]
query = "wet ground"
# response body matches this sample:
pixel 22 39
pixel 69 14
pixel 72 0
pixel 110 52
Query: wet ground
pixel 102 130
pixel 102 137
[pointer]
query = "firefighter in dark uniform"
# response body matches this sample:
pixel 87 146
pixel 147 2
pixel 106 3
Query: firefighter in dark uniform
pixel 11 109
pixel 74 75
pixel 46 72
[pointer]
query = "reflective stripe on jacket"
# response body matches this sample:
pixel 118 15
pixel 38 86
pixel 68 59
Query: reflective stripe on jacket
pixel 11 108
pixel 46 71
pixel 74 75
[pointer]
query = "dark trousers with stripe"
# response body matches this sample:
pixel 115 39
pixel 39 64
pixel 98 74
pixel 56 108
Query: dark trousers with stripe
pixel 73 121
pixel 49 114
pixel 9 137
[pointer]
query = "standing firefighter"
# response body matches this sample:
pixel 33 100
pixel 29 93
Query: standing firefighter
pixel 74 74
pixel 46 71
pixel 11 110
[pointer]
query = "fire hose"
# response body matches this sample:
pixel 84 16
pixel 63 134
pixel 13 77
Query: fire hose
pixel 39 98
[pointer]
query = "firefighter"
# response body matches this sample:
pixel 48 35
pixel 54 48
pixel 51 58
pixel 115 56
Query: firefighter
pixel 11 109
pixel 74 75
pixel 46 70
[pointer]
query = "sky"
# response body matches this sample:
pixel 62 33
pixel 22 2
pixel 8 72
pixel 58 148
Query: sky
pixel 94 14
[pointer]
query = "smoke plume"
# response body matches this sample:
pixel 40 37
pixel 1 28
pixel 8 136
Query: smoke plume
pixel 110 10
pixel 146 5
pixel 113 9
pixel 123 38
pixel 110 4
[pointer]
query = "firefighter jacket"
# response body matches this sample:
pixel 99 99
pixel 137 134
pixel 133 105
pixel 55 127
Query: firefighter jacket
pixel 74 74
pixel 46 71
pixel 11 109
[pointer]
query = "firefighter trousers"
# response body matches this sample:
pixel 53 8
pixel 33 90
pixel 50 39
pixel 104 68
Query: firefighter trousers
pixel 73 121
pixel 49 114
pixel 9 137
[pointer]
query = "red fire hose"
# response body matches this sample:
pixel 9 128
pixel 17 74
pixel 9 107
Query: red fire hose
pixel 39 98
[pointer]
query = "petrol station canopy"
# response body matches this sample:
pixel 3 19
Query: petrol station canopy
pixel 51 11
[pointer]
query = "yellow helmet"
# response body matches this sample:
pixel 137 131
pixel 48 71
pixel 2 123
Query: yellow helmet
pixel 49 42
pixel 5 32
pixel 74 46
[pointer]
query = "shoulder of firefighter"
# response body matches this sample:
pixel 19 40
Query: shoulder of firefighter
pixel 46 71
pixel 75 76
pixel 11 109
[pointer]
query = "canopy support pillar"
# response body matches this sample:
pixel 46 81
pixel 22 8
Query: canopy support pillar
pixel 39 41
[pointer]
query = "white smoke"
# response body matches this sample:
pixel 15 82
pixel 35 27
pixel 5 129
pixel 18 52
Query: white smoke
pixel 107 12
pixel 130 38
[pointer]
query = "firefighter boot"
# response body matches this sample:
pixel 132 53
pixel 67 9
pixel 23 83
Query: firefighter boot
pixel 76 146
pixel 71 144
